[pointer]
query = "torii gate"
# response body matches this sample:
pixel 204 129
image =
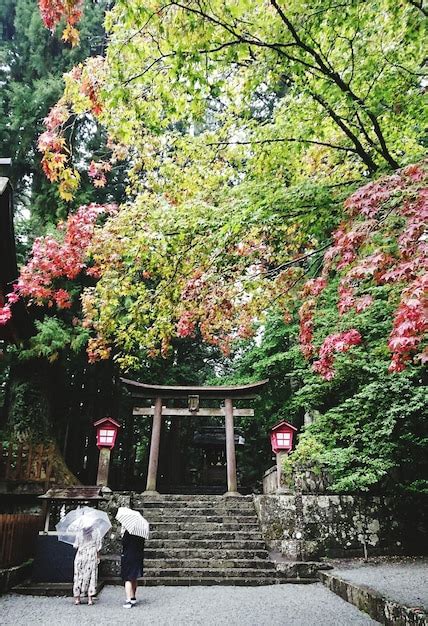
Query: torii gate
pixel 194 394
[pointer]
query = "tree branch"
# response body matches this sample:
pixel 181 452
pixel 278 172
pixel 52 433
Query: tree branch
pixel 362 153
pixel 278 47
pixel 338 80
pixel 282 139
pixel 283 266
pixel 140 30
pixel 148 68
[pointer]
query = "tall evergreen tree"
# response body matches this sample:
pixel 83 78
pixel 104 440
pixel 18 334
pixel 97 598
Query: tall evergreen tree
pixel 32 62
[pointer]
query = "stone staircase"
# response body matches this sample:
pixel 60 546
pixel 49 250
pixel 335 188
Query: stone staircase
pixel 200 540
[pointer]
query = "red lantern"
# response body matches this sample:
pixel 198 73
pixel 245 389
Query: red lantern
pixel 281 437
pixel 107 429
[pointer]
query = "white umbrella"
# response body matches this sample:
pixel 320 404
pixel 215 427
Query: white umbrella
pixel 82 518
pixel 133 522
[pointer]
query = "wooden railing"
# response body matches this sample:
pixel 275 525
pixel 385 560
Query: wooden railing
pixel 19 461
pixel 18 533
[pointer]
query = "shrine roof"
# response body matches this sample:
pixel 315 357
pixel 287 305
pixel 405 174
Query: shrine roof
pixel 76 492
pixel 238 392
pixel 283 423
pixel 107 419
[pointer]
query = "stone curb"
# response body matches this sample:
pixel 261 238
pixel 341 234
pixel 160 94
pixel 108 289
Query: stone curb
pixel 372 602
pixel 50 589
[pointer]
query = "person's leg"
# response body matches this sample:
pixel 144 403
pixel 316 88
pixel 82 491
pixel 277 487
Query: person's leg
pixel 76 579
pixel 90 600
pixel 128 589
pixel 128 594
pixel 134 591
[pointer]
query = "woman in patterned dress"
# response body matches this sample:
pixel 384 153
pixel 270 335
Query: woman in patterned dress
pixel 88 543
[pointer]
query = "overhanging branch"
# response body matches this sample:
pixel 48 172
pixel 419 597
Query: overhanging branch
pixel 283 139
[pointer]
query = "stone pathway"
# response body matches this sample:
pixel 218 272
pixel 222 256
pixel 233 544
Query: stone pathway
pixel 285 605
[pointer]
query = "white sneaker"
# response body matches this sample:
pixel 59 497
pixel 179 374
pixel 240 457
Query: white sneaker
pixel 133 601
pixel 128 605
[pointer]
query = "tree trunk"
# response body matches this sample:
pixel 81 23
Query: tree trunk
pixel 29 410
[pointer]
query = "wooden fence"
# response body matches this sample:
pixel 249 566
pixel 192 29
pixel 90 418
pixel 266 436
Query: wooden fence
pixel 18 534
pixel 20 461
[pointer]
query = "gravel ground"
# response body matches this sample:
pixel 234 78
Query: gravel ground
pixel 285 605
pixel 405 581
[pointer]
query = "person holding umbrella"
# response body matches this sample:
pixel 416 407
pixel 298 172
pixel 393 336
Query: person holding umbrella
pixel 84 528
pixel 88 543
pixel 135 529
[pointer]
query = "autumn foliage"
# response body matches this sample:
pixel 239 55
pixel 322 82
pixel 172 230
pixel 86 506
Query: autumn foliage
pixel 53 11
pixel 80 98
pixel 57 259
pixel 384 242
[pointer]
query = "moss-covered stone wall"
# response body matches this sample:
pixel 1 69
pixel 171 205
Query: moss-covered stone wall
pixel 306 527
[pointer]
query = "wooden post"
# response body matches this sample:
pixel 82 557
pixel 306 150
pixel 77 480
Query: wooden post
pixel 154 448
pixel 232 487
pixel 103 467
pixel 39 461
pixel 19 462
pixel 9 460
pixel 29 462
pixel 280 455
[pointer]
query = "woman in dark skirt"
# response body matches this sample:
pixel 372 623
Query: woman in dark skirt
pixel 131 565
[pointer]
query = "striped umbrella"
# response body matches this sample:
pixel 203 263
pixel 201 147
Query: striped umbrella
pixel 133 522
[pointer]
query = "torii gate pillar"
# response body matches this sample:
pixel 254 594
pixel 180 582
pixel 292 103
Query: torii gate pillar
pixel 232 487
pixel 154 449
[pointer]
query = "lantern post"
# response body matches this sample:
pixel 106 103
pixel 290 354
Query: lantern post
pixel 281 439
pixel 107 429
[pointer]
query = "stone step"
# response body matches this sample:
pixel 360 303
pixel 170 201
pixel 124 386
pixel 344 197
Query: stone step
pixel 195 581
pixel 201 519
pixel 199 540
pixel 194 504
pixel 247 526
pixel 195 541
pixel 198 553
pixel 209 544
pixel 230 582
pixel 30 588
pixel 194 535
pixel 189 498
pixel 246 505
pixel 194 512
pixel 189 567
pixel 200 563
pixel 113 569
pixel 214 490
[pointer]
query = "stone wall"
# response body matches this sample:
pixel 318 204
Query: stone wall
pixel 112 542
pixel 305 480
pixel 306 527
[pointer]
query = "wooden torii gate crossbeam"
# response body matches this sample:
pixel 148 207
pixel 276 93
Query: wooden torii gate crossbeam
pixel 194 394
